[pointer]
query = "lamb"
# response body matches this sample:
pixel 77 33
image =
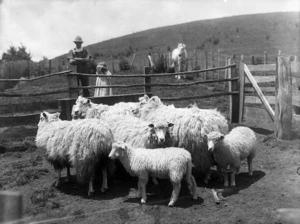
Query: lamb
pixel 168 163
pixel 80 143
pixel 86 108
pixel 190 125
pixel 229 150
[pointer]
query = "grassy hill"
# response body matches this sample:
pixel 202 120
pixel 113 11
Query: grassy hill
pixel 246 34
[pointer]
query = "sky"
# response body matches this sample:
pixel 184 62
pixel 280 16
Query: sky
pixel 48 27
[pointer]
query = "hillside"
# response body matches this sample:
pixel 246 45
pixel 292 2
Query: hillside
pixel 246 34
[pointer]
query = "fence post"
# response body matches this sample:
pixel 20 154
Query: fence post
pixel 66 107
pixel 253 60
pixel 219 64
pixel 283 99
pixel 242 89
pixel 49 66
pixel 233 99
pixel 206 64
pixel 11 204
pixel 147 89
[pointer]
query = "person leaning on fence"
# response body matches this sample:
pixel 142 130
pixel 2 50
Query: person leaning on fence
pixel 80 57
pixel 103 81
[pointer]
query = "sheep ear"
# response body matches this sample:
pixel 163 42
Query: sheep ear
pixel 205 136
pixel 151 125
pixel 222 137
pixel 170 125
pixel 57 114
pixel 88 101
pixel 44 114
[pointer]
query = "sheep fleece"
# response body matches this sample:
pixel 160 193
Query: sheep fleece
pixel 83 141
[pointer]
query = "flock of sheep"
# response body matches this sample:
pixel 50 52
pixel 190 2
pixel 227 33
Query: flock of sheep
pixel 149 138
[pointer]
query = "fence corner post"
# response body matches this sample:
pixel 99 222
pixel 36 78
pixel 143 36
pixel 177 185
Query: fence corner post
pixel 147 88
pixel 11 204
pixel 66 107
pixel 283 99
pixel 234 98
pixel 241 89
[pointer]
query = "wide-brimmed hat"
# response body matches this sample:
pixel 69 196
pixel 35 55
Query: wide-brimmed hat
pixel 102 64
pixel 78 39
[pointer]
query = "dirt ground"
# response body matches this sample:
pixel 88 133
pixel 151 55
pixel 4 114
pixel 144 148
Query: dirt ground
pixel 275 184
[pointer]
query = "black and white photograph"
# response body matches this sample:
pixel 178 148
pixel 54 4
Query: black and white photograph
pixel 150 111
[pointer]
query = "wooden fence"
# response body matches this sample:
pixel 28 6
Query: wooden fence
pixel 245 100
pixel 73 91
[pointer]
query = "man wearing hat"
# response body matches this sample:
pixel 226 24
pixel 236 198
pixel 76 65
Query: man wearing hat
pixel 80 57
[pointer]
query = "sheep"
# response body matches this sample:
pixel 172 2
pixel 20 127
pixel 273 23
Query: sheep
pixel 228 150
pixel 167 163
pixel 140 133
pixel 190 125
pixel 80 143
pixel 86 108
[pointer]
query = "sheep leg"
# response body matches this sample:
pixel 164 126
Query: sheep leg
pixel 249 160
pixel 193 187
pixel 57 184
pixel 104 180
pixel 207 177
pixel 91 188
pixel 139 188
pixel 175 193
pixel 225 179
pixel 68 174
pixel 233 178
pixel 154 180
pixel 143 184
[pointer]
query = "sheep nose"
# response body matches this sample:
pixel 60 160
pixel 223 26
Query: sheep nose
pixel 161 140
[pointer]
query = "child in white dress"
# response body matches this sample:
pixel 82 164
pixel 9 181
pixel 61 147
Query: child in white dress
pixel 103 81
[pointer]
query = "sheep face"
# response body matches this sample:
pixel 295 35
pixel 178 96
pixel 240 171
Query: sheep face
pixel 46 117
pixel 213 139
pixel 118 149
pixel 146 103
pixel 160 131
pixel 142 101
pixel 80 108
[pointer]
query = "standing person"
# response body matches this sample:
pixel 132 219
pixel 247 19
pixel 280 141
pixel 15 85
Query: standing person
pixel 80 57
pixel 103 81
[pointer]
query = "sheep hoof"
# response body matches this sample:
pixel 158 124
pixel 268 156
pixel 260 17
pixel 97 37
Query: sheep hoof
pixel 104 189
pixel 171 204
pixel 225 184
pixel 143 201
pixel 90 193
pixel 250 173
pixel 233 184
pixel 57 184
pixel 195 197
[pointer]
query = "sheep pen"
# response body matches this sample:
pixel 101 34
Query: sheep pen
pixel 82 144
pixel 168 163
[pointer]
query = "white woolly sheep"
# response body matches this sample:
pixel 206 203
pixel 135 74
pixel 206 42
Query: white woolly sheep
pixel 140 133
pixel 190 125
pixel 86 108
pixel 229 150
pixel 80 143
pixel 166 163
